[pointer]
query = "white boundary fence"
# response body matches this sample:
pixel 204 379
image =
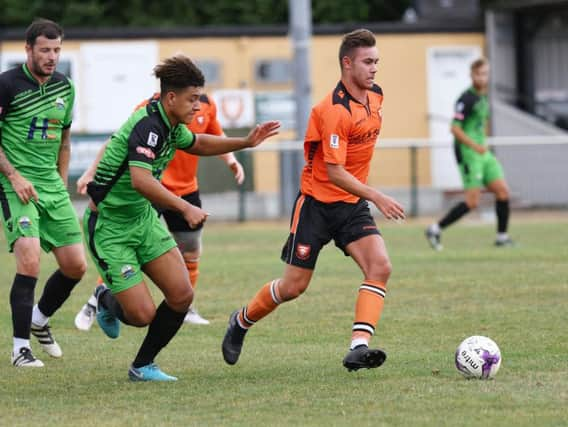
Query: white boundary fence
pixel 536 169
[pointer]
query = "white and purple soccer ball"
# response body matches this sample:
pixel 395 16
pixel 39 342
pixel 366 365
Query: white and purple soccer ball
pixel 478 357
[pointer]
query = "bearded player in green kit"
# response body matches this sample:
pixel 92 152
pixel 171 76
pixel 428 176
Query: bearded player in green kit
pixel 36 103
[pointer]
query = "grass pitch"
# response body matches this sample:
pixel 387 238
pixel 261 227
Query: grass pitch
pixel 290 371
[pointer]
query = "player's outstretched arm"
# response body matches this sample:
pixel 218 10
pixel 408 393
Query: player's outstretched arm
pixel 210 145
pixel 388 206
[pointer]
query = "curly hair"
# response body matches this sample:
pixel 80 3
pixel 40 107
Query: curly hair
pixel 178 72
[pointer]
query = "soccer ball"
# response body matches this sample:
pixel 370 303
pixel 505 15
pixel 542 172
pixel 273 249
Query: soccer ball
pixel 478 357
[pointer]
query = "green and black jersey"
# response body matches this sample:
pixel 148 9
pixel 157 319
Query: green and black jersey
pixel 32 118
pixel 471 114
pixel 146 140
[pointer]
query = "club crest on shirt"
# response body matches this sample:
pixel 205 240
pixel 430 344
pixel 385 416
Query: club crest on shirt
pixel 146 152
pixel 60 104
pixel 152 139
pixel 303 251
pixel 334 141
pixel 200 119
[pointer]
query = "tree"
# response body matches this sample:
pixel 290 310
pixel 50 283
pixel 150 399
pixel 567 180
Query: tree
pixel 187 13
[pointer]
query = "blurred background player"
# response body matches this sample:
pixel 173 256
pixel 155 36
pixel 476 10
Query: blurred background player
pixel 180 177
pixel 36 104
pixel 332 204
pixel 478 166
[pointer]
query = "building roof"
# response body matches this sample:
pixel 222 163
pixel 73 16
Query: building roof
pixel 255 31
pixel 525 4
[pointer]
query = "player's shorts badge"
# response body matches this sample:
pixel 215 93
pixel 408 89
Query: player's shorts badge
pixel 127 271
pixel 303 251
pixel 24 222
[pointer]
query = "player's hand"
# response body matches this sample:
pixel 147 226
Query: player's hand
pixel 83 180
pixel 23 188
pixel 261 132
pixel 389 207
pixel 238 171
pixel 480 149
pixel 194 215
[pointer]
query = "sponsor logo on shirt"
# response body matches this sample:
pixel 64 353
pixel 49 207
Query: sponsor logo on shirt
pixel 334 141
pixel 152 139
pixel 146 152
pixel 303 251
pixel 24 93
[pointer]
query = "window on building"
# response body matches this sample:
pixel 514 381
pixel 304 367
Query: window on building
pixel 211 70
pixel 273 71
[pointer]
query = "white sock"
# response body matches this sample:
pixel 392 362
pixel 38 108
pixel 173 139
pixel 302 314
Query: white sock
pixel 357 342
pixel 435 228
pixel 502 237
pixel 92 301
pixel 19 343
pixel 38 318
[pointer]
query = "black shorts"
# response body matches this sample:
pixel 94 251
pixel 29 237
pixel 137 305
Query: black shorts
pixel 175 221
pixel 314 224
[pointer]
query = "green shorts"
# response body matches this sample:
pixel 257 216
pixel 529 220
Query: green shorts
pixel 52 219
pixel 121 247
pixel 480 170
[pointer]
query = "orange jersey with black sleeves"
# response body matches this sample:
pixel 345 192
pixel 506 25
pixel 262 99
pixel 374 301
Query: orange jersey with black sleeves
pixel 340 131
pixel 180 176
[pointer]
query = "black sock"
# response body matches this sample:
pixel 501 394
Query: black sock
pixel 454 214
pixel 502 210
pixel 108 301
pixel 165 325
pixel 22 304
pixel 56 291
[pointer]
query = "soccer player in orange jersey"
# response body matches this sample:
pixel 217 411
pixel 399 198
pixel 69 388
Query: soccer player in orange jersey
pixel 180 177
pixel 333 204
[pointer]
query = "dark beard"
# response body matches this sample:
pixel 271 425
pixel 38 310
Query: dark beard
pixel 38 71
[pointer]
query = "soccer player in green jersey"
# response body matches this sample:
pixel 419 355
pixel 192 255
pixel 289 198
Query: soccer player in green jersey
pixel 122 229
pixel 35 118
pixel 478 166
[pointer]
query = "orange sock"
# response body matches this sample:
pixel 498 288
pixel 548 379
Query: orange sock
pixel 193 269
pixel 263 303
pixel 99 281
pixel 368 308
